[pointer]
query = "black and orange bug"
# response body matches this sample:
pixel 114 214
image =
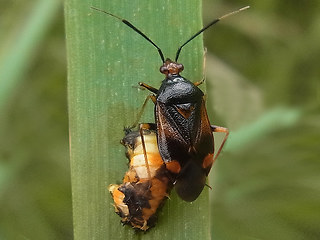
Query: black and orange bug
pixel 146 185
pixel 184 133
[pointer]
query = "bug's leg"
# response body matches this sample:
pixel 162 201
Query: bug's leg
pixel 203 69
pixel 153 98
pixel 223 130
pixel 151 89
pixel 143 126
pixel 200 82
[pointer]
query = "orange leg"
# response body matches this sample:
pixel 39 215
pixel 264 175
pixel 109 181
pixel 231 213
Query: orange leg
pixel 141 127
pixel 153 98
pixel 223 130
pixel 199 83
pixel 151 89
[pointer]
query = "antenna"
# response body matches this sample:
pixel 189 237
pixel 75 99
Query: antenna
pixel 206 27
pixel 134 28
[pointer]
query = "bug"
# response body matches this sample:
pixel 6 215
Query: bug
pixel 184 133
pixel 144 188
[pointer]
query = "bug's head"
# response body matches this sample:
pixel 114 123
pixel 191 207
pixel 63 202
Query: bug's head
pixel 170 68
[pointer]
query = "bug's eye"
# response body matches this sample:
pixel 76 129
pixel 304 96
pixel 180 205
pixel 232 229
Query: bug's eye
pixel 164 69
pixel 180 67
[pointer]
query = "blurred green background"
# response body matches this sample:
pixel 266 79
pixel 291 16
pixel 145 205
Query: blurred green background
pixel 263 83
